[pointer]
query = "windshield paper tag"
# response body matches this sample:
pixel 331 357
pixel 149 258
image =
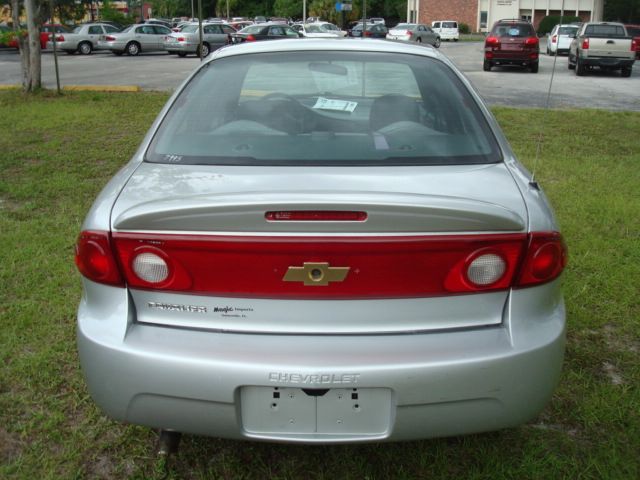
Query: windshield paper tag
pixel 338 105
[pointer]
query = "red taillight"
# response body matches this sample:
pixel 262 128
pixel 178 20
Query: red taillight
pixel 181 39
pixel 554 39
pixel 250 38
pixel 95 259
pixel 60 38
pixel 532 41
pixel 545 259
pixel 110 38
pixel 585 44
pixel 634 45
pixel 315 216
pixel 409 32
pixel 367 33
pixel 492 42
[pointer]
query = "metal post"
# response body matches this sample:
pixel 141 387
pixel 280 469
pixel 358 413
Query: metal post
pixel 227 10
pixel 55 50
pixel 304 12
pixel 200 29
pixel 364 17
pixel 193 13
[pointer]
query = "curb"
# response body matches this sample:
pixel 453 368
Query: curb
pixel 101 88
pixel 87 88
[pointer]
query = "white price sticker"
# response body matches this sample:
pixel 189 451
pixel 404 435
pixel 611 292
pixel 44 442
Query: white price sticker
pixel 337 105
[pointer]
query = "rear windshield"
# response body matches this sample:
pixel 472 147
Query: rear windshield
pixel 568 30
pixel 324 108
pixel 605 31
pixel 513 30
pixel 449 25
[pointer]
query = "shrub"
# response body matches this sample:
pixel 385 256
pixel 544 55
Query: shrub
pixel 464 28
pixel 547 23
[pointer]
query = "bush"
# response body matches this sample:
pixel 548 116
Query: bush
pixel 464 28
pixel 547 23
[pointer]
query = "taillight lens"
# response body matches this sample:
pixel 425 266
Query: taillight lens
pixel 545 259
pixel 409 32
pixel 250 38
pixel 585 44
pixel 95 259
pixel 486 269
pixel 181 39
pixel 491 42
pixel 110 38
pixel 60 38
pixel 554 39
pixel 634 45
pixel 532 41
pixel 367 33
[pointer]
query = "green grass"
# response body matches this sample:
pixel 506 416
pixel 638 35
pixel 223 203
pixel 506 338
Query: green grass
pixel 57 153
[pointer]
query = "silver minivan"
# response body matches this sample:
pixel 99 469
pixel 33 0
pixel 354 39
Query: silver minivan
pixel 304 251
pixel 447 29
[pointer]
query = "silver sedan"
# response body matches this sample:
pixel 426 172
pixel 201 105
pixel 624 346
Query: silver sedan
pixel 413 32
pixel 322 241
pixel 187 40
pixel 84 38
pixel 135 39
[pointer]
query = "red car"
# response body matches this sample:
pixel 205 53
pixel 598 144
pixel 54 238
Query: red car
pixel 512 42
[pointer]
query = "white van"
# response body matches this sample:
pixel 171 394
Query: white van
pixel 447 29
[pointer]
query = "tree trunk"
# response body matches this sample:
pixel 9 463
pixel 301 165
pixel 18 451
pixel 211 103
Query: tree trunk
pixel 23 43
pixel 33 79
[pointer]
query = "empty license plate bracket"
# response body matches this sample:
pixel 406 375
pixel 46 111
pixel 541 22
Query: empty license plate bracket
pixel 335 411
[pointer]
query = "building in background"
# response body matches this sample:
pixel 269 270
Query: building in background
pixel 480 15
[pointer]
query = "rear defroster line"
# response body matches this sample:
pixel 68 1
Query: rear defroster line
pixel 533 182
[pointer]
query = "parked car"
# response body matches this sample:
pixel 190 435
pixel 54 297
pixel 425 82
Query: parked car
pixel 318 30
pixel 605 45
pixel 376 20
pixel 373 30
pixel 634 31
pixel 240 24
pixel 447 29
pixel 159 21
pixel 263 31
pixel 135 39
pixel 304 251
pixel 84 38
pixel 559 39
pixel 47 29
pixel 214 35
pixel 512 42
pixel 413 32
pixel 10 43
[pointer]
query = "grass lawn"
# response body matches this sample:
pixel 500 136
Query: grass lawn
pixel 57 153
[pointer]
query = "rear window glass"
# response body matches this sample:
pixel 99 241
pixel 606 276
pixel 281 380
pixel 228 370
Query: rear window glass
pixel 324 108
pixel 449 25
pixel 605 30
pixel 568 30
pixel 513 30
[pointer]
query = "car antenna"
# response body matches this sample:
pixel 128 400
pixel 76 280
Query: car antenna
pixel 533 182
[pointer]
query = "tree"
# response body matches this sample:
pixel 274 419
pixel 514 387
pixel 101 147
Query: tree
pixel 28 44
pixel 288 8
pixel 627 11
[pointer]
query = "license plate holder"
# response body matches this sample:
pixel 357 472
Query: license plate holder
pixel 336 411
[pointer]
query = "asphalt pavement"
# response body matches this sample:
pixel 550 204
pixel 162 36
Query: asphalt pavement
pixel 502 86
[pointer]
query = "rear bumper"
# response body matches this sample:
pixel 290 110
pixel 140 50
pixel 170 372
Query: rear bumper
pixel 604 62
pixel 441 383
pixel 181 47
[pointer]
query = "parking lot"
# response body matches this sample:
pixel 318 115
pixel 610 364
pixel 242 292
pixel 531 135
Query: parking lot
pixel 502 86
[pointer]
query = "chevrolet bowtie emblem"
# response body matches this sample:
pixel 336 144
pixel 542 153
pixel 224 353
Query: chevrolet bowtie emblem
pixel 316 274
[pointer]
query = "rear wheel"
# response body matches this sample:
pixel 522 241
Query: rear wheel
pixel 626 71
pixel 437 43
pixel 117 52
pixel 570 65
pixel 133 49
pixel 70 52
pixel 418 40
pixel 581 70
pixel 534 67
pixel 182 54
pixel 85 48
pixel 486 66
pixel 205 50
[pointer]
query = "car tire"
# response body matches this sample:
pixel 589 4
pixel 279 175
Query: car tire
pixel 85 48
pixel 570 65
pixel 205 50
pixel 70 52
pixel 418 40
pixel 117 52
pixel 182 54
pixel 455 39
pixel 534 67
pixel 133 48
pixel 581 70
pixel 486 66
pixel 437 43
pixel 626 71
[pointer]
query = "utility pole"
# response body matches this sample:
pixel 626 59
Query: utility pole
pixel 200 29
